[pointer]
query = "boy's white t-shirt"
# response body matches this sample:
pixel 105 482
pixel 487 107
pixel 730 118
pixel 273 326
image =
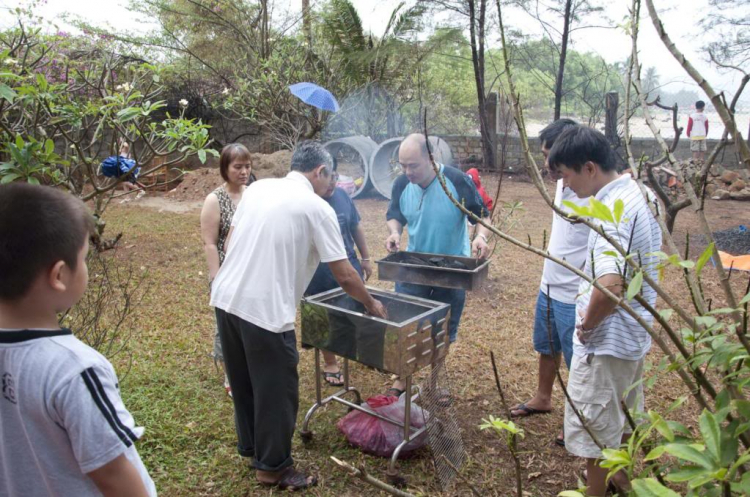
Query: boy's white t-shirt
pixel 698 129
pixel 567 241
pixel 62 416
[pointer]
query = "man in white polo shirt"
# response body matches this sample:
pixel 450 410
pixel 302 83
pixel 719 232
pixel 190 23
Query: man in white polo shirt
pixel 609 345
pixel 555 314
pixel 281 231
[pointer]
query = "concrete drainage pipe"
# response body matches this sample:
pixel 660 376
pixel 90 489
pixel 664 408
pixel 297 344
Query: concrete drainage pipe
pixel 384 166
pixel 353 156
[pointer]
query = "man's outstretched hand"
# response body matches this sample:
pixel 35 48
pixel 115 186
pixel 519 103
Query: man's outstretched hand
pixel 377 309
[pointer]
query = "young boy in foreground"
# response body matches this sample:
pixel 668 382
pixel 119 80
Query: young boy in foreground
pixel 609 344
pixel 65 430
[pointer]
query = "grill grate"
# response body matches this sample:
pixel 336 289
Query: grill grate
pixel 443 433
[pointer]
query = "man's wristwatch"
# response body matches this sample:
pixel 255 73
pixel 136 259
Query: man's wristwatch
pixel 486 240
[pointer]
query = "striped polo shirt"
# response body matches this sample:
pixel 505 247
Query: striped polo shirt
pixel 620 335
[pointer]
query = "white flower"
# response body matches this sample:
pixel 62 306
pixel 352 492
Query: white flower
pixel 72 146
pixel 123 87
pixel 225 91
pixel 183 103
pixel 11 61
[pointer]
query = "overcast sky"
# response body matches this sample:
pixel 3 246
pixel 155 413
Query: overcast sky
pixel 680 18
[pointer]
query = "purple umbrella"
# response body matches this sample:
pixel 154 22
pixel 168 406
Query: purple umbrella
pixel 315 95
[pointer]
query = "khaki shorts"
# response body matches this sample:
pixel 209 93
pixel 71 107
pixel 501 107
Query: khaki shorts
pixel 596 384
pixel 698 145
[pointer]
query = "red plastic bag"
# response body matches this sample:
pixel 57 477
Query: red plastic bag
pixel 378 437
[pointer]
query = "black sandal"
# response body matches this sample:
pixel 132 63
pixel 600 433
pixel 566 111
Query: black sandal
pixel 292 480
pixel 527 411
pixel 338 377
pixel 394 392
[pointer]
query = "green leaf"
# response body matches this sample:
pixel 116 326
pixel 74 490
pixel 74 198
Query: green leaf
pixel 691 454
pixel 8 178
pixel 655 453
pixel 686 473
pixel 704 258
pixel 49 146
pixel 649 487
pixel 7 93
pixel 619 209
pixel 745 299
pixel 666 314
pixel 32 180
pixel 577 209
pixel 601 211
pixel 202 156
pixel 711 433
pixel 635 285
pixel 570 493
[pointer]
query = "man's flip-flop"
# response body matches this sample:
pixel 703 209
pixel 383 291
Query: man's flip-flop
pixel 337 377
pixel 527 411
pixel 560 441
pixel 292 480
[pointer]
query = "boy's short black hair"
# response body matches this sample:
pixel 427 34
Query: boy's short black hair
pixel 549 135
pixel 578 145
pixel 39 226
pixel 700 105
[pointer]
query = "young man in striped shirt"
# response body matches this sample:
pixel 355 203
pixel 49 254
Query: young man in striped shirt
pixel 609 345
pixel 65 430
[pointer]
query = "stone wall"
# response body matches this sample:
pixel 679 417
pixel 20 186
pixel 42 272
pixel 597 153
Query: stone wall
pixel 467 150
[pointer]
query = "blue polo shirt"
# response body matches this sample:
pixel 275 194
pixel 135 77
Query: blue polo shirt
pixel 434 224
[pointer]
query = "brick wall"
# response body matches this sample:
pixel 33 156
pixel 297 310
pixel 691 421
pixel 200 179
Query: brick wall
pixel 467 150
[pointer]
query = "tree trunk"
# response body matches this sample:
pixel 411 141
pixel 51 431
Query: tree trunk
pixel 563 56
pixel 307 22
pixel 476 31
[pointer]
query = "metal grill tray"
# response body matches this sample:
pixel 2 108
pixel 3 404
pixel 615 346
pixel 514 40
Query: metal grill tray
pixel 391 268
pixel 414 335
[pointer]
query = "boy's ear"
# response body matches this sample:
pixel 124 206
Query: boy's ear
pixel 590 167
pixel 55 277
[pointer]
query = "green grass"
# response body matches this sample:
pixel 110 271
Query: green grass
pixel 173 389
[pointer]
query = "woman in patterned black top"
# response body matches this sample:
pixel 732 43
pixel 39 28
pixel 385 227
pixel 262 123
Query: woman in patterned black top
pixel 216 218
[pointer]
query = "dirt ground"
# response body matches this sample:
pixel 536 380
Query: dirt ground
pixel 497 318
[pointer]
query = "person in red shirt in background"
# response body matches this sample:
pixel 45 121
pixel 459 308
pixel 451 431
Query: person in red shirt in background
pixel 697 131
pixel 474 174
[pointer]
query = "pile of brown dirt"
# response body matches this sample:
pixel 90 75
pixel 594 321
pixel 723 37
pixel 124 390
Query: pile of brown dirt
pixel 275 165
pixel 197 184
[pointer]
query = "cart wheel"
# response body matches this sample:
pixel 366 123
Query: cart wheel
pixel 396 480
pixel 306 436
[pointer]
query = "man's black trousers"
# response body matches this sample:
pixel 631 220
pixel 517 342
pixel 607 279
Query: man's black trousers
pixel 262 370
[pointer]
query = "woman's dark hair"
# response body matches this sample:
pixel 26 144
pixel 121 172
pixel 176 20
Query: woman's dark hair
pixel 549 135
pixel 578 145
pixel 231 153
pixel 39 226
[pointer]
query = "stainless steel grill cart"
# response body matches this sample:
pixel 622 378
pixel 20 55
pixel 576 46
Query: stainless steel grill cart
pixel 414 336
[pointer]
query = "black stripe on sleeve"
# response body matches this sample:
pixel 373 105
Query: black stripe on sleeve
pixel 468 194
pixel 110 406
pixel 394 206
pixel 98 401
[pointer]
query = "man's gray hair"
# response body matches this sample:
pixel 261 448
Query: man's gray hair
pixel 309 155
